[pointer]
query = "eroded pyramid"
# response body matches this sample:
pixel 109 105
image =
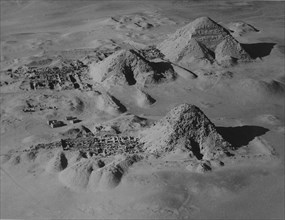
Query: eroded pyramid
pixel 128 67
pixel 186 127
pixel 199 40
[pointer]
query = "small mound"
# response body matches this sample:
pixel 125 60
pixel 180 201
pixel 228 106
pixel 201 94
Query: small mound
pixel 57 163
pixel 241 28
pixel 269 119
pixel 125 123
pixel 77 176
pixel 15 160
pixel 29 156
pixel 259 89
pixel 110 176
pixel 109 104
pixel 5 158
pixel 128 67
pixel 260 147
pixel 143 99
pixel 75 156
pixel 186 127
pixel 76 132
pixel 203 166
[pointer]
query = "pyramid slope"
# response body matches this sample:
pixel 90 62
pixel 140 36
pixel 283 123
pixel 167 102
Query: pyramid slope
pixel 186 126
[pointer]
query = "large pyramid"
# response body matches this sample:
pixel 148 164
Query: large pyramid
pixel 128 67
pixel 186 127
pixel 205 34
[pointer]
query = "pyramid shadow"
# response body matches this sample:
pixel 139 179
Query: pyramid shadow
pixel 242 135
pixel 258 50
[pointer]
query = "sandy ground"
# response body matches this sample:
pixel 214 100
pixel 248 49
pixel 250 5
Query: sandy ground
pixel 242 101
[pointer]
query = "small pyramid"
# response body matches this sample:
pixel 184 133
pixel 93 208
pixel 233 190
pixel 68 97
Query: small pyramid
pixel 230 48
pixel 187 127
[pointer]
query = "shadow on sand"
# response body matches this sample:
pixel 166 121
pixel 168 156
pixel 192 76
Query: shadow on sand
pixel 241 136
pixel 258 50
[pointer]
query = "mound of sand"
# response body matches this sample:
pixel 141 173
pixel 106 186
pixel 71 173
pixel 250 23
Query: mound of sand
pixel 241 28
pixel 75 156
pixel 186 127
pixel 76 177
pixel 81 131
pixel 260 147
pixel 15 160
pixel 128 67
pixel 137 21
pixel 143 99
pixel 122 124
pixel 199 40
pixel 108 103
pixel 259 89
pixel 269 119
pixel 57 163
pixel 110 176
pixel 29 156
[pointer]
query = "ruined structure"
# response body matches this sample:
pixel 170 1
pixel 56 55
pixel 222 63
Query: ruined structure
pixel 198 41
pixel 129 67
pixel 69 75
pixel 188 128
pixel 102 146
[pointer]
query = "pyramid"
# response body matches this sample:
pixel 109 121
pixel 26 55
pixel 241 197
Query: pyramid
pixel 230 49
pixel 128 67
pixel 186 127
pixel 199 39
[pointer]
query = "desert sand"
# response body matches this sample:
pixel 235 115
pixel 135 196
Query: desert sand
pixel 142 109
